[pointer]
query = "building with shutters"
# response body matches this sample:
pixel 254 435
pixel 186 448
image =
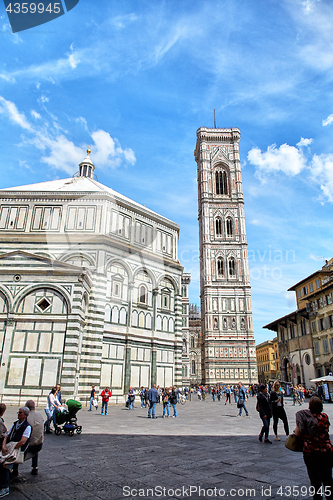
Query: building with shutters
pixel 90 291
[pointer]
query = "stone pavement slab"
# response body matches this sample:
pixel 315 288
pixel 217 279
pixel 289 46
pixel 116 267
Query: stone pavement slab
pixel 126 455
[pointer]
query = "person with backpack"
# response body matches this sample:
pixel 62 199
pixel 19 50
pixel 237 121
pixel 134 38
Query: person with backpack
pixel 165 399
pixel 265 412
pixel 241 400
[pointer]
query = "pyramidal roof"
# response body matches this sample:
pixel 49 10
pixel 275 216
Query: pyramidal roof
pixel 84 185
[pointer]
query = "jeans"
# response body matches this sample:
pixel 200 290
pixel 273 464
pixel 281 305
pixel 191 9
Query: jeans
pixel 265 427
pixel 34 449
pixel 228 398
pixel 49 414
pixel 174 406
pixel 105 405
pixel 152 406
pixel 241 409
pixel 279 412
pixel 166 407
pixel 54 417
pixel 213 396
pixel 4 477
pixel 131 405
pixel 319 466
pixel 143 403
pixel 91 403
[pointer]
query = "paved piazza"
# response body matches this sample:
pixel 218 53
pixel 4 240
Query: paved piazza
pixel 124 454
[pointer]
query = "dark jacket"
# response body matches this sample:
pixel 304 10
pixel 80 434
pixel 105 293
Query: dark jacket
pixel 274 400
pixel 173 398
pixel 264 405
pixel 16 434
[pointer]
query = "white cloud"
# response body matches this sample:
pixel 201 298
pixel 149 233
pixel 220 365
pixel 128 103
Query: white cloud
pixel 62 153
pixel 108 152
pixel 35 114
pixel 308 5
pixel 328 121
pixel 7 78
pixel 8 108
pixel 83 122
pixel 316 258
pixel 322 173
pixel 58 151
pixel 73 57
pixel 286 159
pixel 304 142
pixel 122 21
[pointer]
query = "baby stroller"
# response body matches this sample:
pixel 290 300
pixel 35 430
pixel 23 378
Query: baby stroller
pixel 68 419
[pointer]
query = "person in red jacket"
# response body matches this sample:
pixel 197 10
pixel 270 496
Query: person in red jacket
pixel 106 395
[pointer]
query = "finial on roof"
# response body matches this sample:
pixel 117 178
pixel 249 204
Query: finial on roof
pixel 86 167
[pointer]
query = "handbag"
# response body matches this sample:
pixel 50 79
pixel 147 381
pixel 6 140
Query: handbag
pixel 240 402
pixel 294 443
pixel 95 404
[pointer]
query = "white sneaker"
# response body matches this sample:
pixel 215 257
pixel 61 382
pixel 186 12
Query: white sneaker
pixel 4 492
pixel 277 438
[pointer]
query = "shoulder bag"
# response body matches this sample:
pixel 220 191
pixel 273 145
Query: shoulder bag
pixel 294 443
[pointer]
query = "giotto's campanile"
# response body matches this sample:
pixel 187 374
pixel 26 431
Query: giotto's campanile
pixel 228 354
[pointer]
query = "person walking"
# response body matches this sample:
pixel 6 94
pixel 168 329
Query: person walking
pixel 51 406
pixel 146 397
pixel 173 400
pixel 241 400
pixel 106 395
pixel 142 397
pixel 153 397
pixel 265 412
pixel 235 391
pixel 92 397
pixel 312 425
pixel 276 400
pixel 228 395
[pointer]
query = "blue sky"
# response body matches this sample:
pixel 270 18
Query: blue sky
pixel 135 79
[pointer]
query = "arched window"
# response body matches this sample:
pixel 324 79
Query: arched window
pixel 229 227
pixel 221 182
pixel 218 226
pixel 193 367
pixel 232 268
pixel 142 294
pixel 220 267
pixel 192 342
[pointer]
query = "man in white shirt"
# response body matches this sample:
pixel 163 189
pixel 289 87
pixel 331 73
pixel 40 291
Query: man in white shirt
pixel 20 433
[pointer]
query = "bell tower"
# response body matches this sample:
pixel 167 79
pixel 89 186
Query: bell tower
pixel 228 354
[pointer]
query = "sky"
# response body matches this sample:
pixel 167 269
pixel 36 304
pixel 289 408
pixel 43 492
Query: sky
pixel 135 79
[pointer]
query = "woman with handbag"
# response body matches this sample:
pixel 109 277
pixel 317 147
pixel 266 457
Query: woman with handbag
pixel 313 427
pixel 264 408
